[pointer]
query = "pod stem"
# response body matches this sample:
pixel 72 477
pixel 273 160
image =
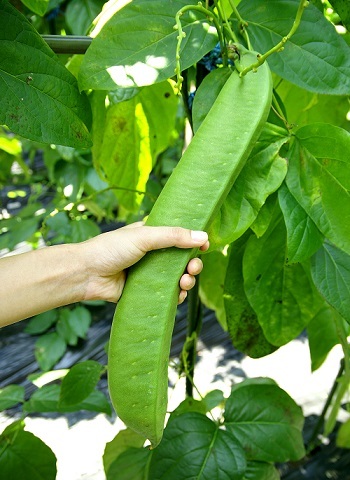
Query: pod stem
pixel 343 382
pixel 321 419
pixel 194 325
pixel 280 45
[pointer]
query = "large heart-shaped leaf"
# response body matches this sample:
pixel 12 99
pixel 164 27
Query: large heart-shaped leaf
pixel 137 46
pixel 330 270
pixel 259 411
pixel 315 58
pixel 319 179
pixel 192 443
pixel 281 294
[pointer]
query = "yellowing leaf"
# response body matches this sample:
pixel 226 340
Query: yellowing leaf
pixel 125 155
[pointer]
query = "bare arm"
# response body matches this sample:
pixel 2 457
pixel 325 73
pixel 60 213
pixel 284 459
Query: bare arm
pixel 33 282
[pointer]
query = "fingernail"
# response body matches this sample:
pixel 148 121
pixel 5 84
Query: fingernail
pixel 199 236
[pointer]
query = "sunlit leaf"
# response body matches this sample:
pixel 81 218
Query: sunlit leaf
pixel 137 46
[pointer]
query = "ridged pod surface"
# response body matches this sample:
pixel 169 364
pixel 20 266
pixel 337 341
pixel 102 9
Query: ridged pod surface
pixel 143 323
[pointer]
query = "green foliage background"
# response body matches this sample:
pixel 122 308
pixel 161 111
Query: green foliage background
pixel 91 138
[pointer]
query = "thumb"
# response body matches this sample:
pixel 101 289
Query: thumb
pixel 153 238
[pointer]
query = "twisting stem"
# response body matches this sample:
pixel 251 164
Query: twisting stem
pixel 242 24
pixel 280 46
pixel 223 16
pixel 181 35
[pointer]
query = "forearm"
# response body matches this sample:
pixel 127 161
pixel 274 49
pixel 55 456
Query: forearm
pixel 38 281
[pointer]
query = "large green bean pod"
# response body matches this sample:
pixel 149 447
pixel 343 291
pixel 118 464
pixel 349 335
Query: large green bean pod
pixel 144 319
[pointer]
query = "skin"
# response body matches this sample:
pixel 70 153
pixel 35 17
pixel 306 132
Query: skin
pixel 37 281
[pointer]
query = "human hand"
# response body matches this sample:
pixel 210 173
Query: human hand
pixel 108 255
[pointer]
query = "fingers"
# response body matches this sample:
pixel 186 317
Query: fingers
pixel 153 238
pixel 194 266
pixel 188 281
pixel 182 296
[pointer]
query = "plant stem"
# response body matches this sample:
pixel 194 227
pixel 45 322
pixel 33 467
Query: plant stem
pixel 280 46
pixel 70 44
pixel 318 427
pixel 242 24
pixel 211 16
pixel 223 16
pixel 343 382
pixel 194 324
pixel 278 111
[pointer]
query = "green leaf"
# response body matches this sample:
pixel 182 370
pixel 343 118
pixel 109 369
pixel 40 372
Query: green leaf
pixel 213 399
pixel 243 326
pixel 49 348
pixel 80 321
pixel 81 13
pixel 207 93
pixel 322 335
pixel 316 57
pixel 210 401
pixel 342 8
pixel 122 94
pixel 64 328
pixel 69 176
pixel 305 107
pixel 160 105
pixel 261 471
pixel 122 441
pixel 46 399
pixel 39 98
pixel 125 154
pixel 42 322
pixel 257 412
pixel 343 436
pixel 79 382
pixel 37 6
pixel 10 396
pixel 21 231
pixel 25 456
pixel 211 286
pixel 330 269
pixel 319 179
pixel 263 220
pixel 280 294
pixel 137 46
pixel 82 229
pixel 194 444
pixel 303 237
pixel 260 177
pixel 189 405
pixel 59 223
pixel 130 464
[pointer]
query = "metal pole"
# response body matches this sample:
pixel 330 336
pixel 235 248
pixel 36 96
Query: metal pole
pixel 70 44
